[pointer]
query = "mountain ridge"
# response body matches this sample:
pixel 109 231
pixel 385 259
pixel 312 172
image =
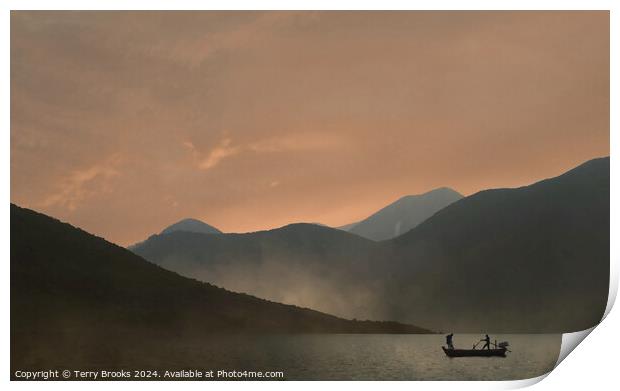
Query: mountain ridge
pixel 501 246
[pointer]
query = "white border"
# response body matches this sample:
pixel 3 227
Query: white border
pixel 592 364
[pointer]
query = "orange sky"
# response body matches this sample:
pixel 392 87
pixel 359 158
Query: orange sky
pixel 124 122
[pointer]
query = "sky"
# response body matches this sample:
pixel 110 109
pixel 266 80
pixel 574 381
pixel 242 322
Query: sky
pixel 123 123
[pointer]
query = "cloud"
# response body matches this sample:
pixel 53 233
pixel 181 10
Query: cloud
pixel 292 142
pixel 82 184
pixel 221 152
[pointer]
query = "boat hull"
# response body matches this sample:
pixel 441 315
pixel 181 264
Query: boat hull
pixel 474 352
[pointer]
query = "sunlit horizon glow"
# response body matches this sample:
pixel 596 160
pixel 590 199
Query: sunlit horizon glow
pixel 123 123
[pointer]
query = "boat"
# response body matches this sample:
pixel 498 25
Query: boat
pixel 497 352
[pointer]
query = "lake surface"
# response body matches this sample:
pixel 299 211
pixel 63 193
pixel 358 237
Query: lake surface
pixel 368 357
pixel 300 357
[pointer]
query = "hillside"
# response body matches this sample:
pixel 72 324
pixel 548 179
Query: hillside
pixel 71 290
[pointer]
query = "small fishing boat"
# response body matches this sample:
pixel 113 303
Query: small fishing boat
pixel 499 352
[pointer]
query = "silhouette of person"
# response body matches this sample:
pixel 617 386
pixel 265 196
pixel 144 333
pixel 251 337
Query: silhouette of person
pixel 487 342
pixel 449 341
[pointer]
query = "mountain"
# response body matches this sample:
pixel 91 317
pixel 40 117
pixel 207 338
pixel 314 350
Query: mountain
pixel 529 259
pixel 75 296
pixel 191 225
pixel 534 258
pixel 404 214
pixel 321 267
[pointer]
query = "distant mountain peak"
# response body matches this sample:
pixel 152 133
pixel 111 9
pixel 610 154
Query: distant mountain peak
pixel 437 191
pixel 191 225
pixel 404 214
pixel 444 189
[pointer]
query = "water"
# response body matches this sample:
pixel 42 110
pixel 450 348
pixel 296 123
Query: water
pixel 366 357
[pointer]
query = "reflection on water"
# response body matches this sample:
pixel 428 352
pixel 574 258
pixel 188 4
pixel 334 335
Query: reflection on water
pixel 370 357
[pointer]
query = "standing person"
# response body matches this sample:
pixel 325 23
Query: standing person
pixel 449 341
pixel 487 342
